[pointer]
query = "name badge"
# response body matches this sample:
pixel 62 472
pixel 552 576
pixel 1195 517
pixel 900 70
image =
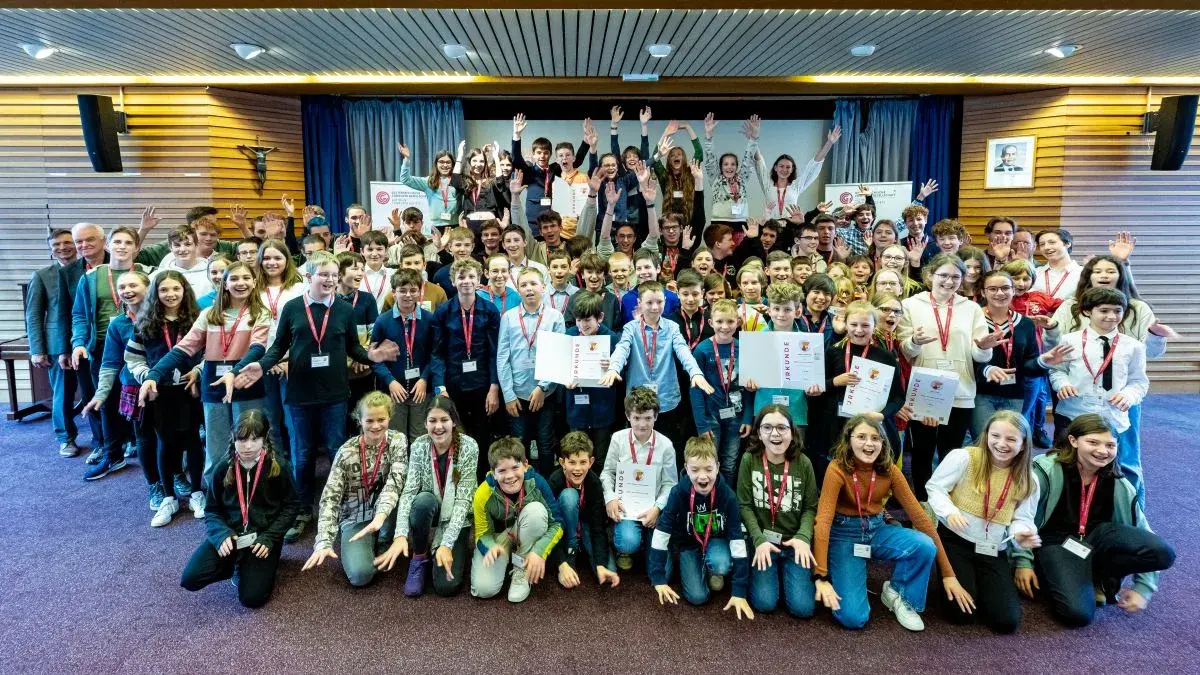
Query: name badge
pixel 412 373
pixel 427 305
pixel 320 360
pixel 246 540
pixel 222 371
pixel 781 399
pixel 445 215
pixel 678 194
pixel 469 366
pixel 726 413
pixel 862 550
pixel 545 202
pixel 988 549
pixel 518 561
pixel 652 386
pixel 582 399
pixel 1011 379
pixel 773 537
pixel 740 210
pixel 944 364
pixel 1077 547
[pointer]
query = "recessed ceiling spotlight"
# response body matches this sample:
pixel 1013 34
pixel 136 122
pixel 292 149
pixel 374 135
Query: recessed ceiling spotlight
pixel 39 51
pixel 454 51
pixel 247 51
pixel 659 51
pixel 1062 51
pixel 862 50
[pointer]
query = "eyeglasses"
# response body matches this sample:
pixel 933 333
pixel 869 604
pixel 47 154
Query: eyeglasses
pixel 942 276
pixel 809 237
pixel 998 289
pixel 670 228
pixel 893 257
pixel 898 311
pixel 774 429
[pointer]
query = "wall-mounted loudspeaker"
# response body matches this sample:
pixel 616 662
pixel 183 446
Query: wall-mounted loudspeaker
pixel 1176 121
pixel 100 127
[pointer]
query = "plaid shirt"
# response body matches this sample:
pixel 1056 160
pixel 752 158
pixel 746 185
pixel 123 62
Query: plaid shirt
pixel 858 240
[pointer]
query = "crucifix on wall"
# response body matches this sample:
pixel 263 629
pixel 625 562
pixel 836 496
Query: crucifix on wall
pixel 259 156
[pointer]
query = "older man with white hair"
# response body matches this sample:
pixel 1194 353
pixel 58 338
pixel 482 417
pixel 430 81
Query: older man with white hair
pixel 89 244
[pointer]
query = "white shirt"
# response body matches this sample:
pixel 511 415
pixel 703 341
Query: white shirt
pixel 278 297
pixel 618 453
pixel 378 284
pixel 1128 377
pixel 949 473
pixel 197 275
pixel 1060 284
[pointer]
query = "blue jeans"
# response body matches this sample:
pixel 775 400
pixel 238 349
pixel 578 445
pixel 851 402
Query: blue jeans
pixel 62 404
pixel 539 426
pixel 219 419
pixel 986 406
pixel 358 557
pixel 568 502
pixel 1129 453
pixel 313 426
pixel 727 438
pixel 912 551
pixel 694 569
pixel 798 587
pixel 87 381
pixel 276 389
pixel 1033 405
pixel 629 537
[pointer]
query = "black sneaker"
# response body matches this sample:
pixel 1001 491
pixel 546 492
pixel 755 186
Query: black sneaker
pixel 296 530
pixel 1041 439
pixel 182 486
pixel 105 467
pixel 157 494
pixel 96 455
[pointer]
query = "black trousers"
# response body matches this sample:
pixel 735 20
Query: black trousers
pixel 256 576
pixel 472 411
pixel 988 579
pixel 672 424
pixel 169 429
pixel 422 520
pixel 926 441
pixel 601 437
pixel 1117 551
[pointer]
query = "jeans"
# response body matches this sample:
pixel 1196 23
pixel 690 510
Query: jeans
pixel 358 557
pixel 532 524
pixel 989 580
pixel 1129 453
pixel 276 390
pixel 529 426
pixel 63 384
pixel 423 521
pixel 1117 551
pixel 695 566
pixel 219 419
pixel 798 587
pixel 912 551
pixel 311 427
pixel 118 430
pixel 574 531
pixel 985 407
pixel 409 418
pixel 727 437
pixel 87 382
pixel 256 576
pixel 1033 406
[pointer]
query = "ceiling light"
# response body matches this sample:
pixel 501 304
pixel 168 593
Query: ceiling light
pixel 247 51
pixel 454 51
pixel 39 51
pixel 1062 51
pixel 862 50
pixel 659 51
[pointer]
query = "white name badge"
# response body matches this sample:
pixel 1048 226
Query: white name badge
pixel 222 371
pixel 781 399
pixel 862 550
pixel 1077 547
pixel 320 361
pixel 469 366
pixel 427 305
pixel 678 194
pixel 988 549
pixel 773 537
pixel 726 413
pixel 582 399
pixel 445 215
pixel 246 540
pixel 518 561
pixel 545 201
pixel 740 210
pixel 652 386
pixel 412 373
pixel 944 364
pixel 1011 379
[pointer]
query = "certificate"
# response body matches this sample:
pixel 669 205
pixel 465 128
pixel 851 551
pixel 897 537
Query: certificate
pixel 781 360
pixel 569 200
pixel 637 488
pixel 871 392
pixel 931 393
pixel 567 359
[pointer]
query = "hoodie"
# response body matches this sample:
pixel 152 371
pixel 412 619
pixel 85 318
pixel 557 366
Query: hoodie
pixel 678 527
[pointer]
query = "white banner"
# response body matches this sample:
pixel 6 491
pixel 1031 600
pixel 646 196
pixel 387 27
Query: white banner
pixel 890 198
pixel 388 196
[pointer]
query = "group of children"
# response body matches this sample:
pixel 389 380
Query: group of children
pixel 431 331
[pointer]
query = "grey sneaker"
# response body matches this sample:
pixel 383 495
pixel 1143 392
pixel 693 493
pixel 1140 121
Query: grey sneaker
pixel 157 494
pixel 905 614
pixel 296 530
pixel 169 507
pixel 518 589
pixel 198 502
pixel 68 449
pixel 716 582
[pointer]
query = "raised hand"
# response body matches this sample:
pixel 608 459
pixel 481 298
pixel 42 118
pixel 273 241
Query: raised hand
pixel 841 248
pixel 688 240
pixel 237 213
pixel 594 181
pixel 929 187
pixel 149 219
pixel 288 204
pixel 644 115
pixel 710 124
pixel 611 195
pixel 824 207
pixel 1122 247
pixel 519 125
pixel 672 128
pixel 916 249
pixel 589 132
pixel 664 145
pixel 310 212
pixel 394 219
pixel 834 134
pixel 864 190
pixel 697 168
pixel 404 151
pixel 615 115
pixel 516 182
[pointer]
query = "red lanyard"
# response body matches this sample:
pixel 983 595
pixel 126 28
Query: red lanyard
pixel 367 483
pixel 441 480
pixel 1061 281
pixel 735 189
pixel 475 196
pixel 633 451
pixel 353 299
pixel 774 502
pixel 649 347
pixel 673 257
pixel 273 303
pixel 468 322
pixel 565 300
pixel 167 338
pixel 1103 364
pixel 227 342
pixel 508 502
pixel 1008 328
pixel 858 499
pixel 1085 503
pixel 864 354
pixel 781 192
pixel 112 288
pixel 243 502
pixel 367 283
pixel 313 326
pixel 410 335
pixel 808 323
pixel 503 298
pixel 530 339
pixel 745 311
pixel 943 331
pixel 687 329
pixel 707 527
pixel 446 196
pixel 987 498
pixel 725 375
pixel 546 187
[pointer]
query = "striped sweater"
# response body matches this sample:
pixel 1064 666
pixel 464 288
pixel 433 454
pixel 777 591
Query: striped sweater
pixel 247 343
pixel 345 501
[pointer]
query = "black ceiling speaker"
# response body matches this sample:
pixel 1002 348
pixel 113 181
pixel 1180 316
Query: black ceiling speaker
pixel 1176 121
pixel 100 127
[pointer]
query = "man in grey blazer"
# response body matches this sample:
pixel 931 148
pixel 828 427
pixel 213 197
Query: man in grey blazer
pixel 47 322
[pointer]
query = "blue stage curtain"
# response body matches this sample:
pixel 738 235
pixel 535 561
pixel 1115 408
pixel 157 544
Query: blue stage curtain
pixel 876 140
pixel 935 148
pixel 328 174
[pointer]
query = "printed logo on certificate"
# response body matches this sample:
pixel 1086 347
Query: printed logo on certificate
pixel 637 488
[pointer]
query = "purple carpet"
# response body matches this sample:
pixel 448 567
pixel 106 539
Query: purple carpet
pixel 92 587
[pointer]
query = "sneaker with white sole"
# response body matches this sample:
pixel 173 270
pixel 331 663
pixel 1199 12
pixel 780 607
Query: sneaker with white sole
pixel 105 467
pixel 157 494
pixel 169 507
pixel 905 614
pixel 624 562
pixel 97 455
pixel 68 449
pixel 716 582
pixel 198 502
pixel 518 588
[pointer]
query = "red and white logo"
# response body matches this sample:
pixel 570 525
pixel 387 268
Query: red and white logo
pixel 846 198
pixel 383 197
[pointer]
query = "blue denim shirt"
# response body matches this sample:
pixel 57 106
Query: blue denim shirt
pixel 392 326
pixel 630 351
pixel 450 345
pixel 514 355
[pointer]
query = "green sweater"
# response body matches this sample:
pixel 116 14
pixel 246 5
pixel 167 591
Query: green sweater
pixel 1049 474
pixel 796 513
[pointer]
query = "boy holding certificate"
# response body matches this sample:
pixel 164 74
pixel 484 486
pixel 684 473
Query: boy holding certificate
pixel 638 474
pixel 784 300
pixel 719 415
pixel 591 410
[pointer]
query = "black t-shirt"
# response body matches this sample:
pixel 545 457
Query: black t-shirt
pixel 1064 520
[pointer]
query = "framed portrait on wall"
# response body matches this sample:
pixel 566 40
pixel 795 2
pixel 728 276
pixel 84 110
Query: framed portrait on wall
pixel 1010 162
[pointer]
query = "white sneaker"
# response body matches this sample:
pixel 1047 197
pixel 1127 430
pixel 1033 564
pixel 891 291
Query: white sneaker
pixel 197 501
pixel 168 508
pixel 905 614
pixel 518 589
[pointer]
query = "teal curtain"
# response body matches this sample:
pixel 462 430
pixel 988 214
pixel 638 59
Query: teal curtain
pixel 876 140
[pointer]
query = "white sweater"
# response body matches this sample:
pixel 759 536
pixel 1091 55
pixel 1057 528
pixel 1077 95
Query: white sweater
pixel 967 324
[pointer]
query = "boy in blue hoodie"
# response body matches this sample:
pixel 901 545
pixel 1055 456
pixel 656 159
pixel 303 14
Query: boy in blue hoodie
pixel 592 410
pixel 703 525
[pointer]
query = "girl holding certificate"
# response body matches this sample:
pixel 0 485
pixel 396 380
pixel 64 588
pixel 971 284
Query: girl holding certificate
pixel 947 332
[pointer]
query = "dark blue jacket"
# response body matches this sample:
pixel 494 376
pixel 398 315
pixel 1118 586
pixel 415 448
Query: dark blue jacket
pixel 677 523
pixel 600 410
pixel 390 326
pixel 450 350
pixel 706 408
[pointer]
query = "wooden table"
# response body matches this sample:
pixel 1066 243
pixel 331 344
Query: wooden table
pixel 17 349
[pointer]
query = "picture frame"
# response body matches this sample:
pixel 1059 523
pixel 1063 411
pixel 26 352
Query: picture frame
pixel 1010 162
